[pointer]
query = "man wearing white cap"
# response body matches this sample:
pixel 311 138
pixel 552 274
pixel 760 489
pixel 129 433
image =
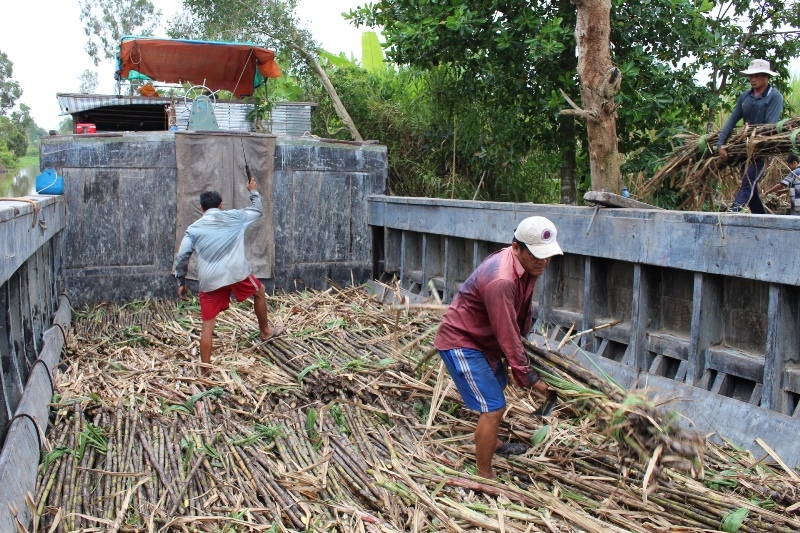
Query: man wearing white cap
pixel 481 333
pixel 762 104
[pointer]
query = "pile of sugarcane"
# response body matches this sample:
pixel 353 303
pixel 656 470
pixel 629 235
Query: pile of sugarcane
pixel 647 438
pixel 697 172
pixel 342 424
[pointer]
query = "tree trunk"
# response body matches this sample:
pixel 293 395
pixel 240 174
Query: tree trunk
pixel 341 110
pixel 600 82
pixel 338 106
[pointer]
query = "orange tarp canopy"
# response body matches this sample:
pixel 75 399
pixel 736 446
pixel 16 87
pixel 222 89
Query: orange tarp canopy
pixel 228 66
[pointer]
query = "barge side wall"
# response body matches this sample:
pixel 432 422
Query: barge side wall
pixel 707 303
pixel 33 314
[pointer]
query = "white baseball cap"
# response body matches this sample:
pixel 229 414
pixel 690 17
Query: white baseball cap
pixel 759 66
pixel 539 235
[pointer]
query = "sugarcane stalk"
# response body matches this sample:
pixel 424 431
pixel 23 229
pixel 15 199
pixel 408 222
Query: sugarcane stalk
pixel 71 487
pixel 287 504
pixel 154 463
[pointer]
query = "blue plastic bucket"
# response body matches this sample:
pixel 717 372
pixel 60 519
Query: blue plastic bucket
pixel 48 182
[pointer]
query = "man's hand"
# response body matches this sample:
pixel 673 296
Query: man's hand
pixel 533 382
pixel 540 387
pixel 252 185
pixel 183 292
pixel 723 153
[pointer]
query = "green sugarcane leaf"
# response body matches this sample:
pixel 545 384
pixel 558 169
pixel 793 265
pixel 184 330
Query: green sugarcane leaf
pixel 541 434
pixel 215 392
pixel 310 368
pixel 733 522
pixel 52 455
pixel 311 421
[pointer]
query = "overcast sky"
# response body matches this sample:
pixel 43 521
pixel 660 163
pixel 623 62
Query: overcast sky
pixel 44 40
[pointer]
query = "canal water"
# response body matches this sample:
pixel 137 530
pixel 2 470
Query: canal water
pixel 19 182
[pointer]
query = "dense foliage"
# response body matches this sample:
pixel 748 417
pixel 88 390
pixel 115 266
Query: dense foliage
pixel 440 139
pixel 10 90
pixel 474 109
pixel 521 56
pixel 13 142
pixel 269 23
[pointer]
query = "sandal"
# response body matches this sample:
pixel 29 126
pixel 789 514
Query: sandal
pixel 511 448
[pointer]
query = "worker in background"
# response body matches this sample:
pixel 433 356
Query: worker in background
pixel 481 332
pixel 792 181
pixel 218 239
pixel 761 104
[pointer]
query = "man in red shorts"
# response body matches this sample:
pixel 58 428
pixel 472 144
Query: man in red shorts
pixel 482 329
pixel 218 239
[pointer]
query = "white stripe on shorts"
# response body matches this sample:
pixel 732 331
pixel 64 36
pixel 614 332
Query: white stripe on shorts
pixel 464 367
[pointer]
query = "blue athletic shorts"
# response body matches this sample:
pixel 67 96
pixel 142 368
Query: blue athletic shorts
pixel 480 387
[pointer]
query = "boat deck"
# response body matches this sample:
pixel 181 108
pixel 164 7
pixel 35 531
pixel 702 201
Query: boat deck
pixel 339 424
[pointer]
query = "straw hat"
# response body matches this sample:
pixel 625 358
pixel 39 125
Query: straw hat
pixel 759 66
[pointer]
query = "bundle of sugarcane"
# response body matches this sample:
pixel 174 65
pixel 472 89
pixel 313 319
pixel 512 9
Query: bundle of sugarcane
pixel 696 170
pixel 647 438
pixel 328 428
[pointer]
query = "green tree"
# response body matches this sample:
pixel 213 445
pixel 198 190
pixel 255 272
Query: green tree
pixel 10 90
pixel 13 135
pixel 521 55
pixel 507 56
pixel 742 30
pixel 13 142
pixel 33 132
pixel 65 127
pixel 417 114
pixel 107 21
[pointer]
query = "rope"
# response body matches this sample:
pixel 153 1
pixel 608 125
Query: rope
pixel 243 69
pixel 26 200
pixel 135 47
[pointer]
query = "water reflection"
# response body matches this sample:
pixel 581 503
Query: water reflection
pixel 21 182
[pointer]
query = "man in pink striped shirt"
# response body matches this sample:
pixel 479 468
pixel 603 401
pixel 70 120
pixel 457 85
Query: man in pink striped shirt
pixel 481 333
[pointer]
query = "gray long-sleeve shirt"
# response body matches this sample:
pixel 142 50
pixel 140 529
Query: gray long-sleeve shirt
pixel 765 109
pixel 218 239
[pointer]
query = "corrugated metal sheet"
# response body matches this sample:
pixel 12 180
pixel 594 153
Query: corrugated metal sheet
pixel 288 118
pixel 230 116
pixel 291 118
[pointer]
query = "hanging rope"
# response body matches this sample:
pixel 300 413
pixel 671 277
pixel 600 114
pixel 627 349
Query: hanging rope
pixel 244 67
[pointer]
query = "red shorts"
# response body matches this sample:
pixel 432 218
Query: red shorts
pixel 214 302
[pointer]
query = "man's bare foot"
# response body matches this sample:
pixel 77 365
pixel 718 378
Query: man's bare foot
pixel 273 332
pixel 487 475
